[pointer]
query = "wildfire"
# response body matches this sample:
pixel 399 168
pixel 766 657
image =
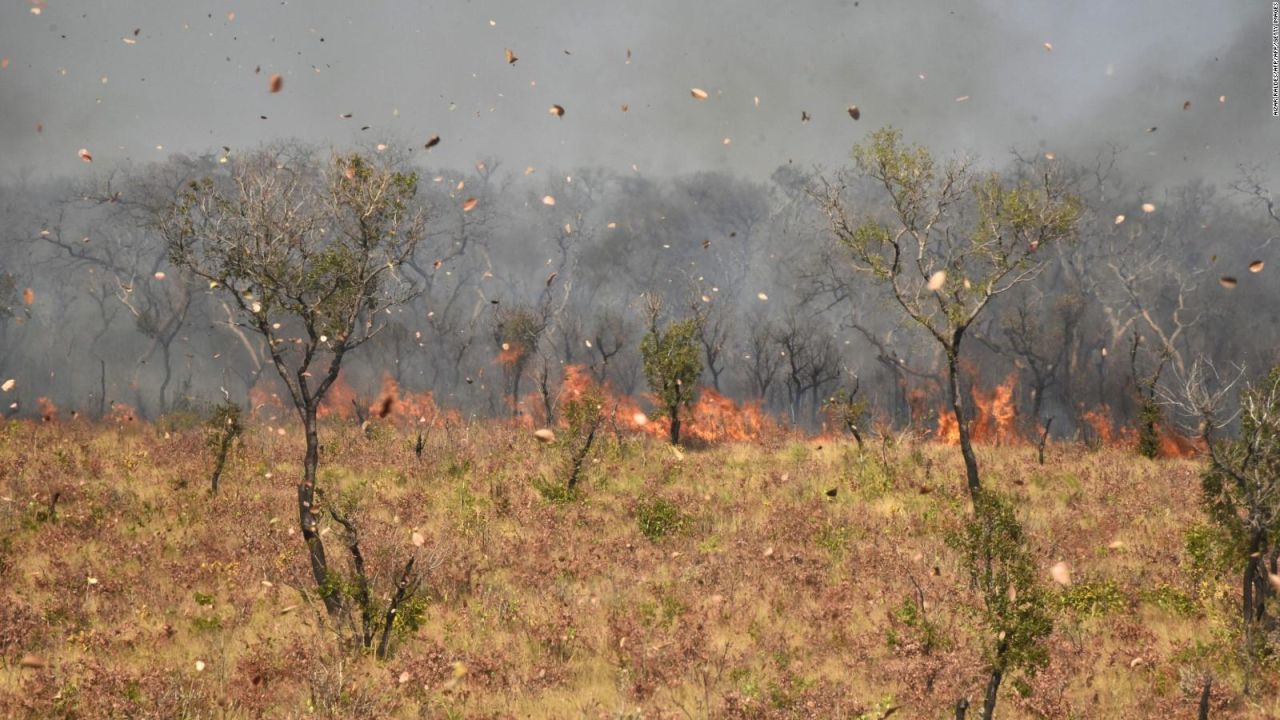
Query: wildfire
pixel 340 402
pixel 48 411
pixel 993 421
pixel 401 408
pixel 713 418
pixel 121 413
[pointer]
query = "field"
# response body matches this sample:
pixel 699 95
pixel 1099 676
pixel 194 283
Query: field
pixel 795 578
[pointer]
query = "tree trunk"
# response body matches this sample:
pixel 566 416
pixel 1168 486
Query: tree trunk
pixel 102 389
pixel 168 374
pixel 958 407
pixel 515 390
pixel 223 448
pixel 307 518
pixel 675 425
pixel 1204 699
pixel 962 707
pixel 993 687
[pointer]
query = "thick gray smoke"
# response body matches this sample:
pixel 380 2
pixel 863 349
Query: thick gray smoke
pixel 408 70
pixel 686 197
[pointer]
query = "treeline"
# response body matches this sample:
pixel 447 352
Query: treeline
pixel 525 271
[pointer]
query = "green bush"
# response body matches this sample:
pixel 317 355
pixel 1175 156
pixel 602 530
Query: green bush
pixel 658 518
pixel 1093 599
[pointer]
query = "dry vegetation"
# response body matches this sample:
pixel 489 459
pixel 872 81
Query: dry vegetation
pixel 725 582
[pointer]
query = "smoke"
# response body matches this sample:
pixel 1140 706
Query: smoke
pixel 408 70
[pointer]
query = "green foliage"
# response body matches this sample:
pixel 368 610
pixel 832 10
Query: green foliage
pixel 910 626
pixel 672 365
pixel 583 413
pixel 1093 599
pixel 1209 551
pixel 223 425
pixel 304 250
pixel 555 492
pixel 517 329
pixel 1012 607
pixel 994 230
pixel 1149 417
pixel 659 517
pixel 846 410
pixel 1241 486
pixel 1170 599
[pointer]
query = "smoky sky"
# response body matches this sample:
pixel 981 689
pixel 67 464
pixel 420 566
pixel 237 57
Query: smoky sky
pixel 410 70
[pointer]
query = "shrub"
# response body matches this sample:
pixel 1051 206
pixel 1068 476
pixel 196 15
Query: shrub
pixel 658 518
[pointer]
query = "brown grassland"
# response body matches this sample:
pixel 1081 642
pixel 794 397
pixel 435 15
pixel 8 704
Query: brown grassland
pixel 721 582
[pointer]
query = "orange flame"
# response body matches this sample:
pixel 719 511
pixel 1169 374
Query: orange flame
pixel 339 402
pixel 121 413
pixel 48 411
pixel 713 418
pixel 409 409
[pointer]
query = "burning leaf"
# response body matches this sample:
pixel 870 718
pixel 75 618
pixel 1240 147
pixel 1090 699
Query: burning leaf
pixel 545 435
pixel 557 110
pixel 159 275
pixel 199 666
pixel 1061 573
pixel 433 141
pixel 854 112
pixel 937 280
pixel 28 296
pixel 963 98
pixel 1048 47
pixel 511 57
pixel 1049 156
pixel 1228 282
pixel 1119 219
pixel 698 93
pixel 1222 98
pixel 1186 105
pixel 276 83
pixel 804 116
pixel 1148 207
pixel 418 539
pixel 129 41
pixel 404 677
pixel 8 385
pixel 85 155
pixel 1256 266
pixel 548 201
pixel 763 297
pixel 469 204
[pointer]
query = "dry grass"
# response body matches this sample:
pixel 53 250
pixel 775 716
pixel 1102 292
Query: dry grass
pixel 766 598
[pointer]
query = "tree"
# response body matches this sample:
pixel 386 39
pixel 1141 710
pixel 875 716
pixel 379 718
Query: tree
pixel 955 240
pixel 311 257
pixel 1011 604
pixel 672 364
pixel 1241 486
pixel 517 330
